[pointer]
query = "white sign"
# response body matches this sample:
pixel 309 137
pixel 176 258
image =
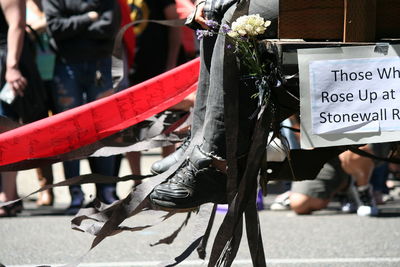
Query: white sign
pixel 349 95
pixel 355 95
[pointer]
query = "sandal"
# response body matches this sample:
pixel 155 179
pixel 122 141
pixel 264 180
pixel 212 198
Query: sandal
pixel 12 210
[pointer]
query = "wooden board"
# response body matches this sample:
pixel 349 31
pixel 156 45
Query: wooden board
pixel 388 19
pixel 311 19
pixel 339 20
pixel 359 20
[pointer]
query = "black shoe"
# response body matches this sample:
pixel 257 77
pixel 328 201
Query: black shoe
pixel 77 199
pixel 108 195
pixel 164 164
pixel 195 183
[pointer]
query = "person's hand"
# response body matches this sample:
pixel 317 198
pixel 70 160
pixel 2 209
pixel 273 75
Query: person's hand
pixel 199 16
pixel 93 15
pixel 16 81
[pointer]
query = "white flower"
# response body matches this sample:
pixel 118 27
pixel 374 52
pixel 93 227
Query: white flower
pixel 249 25
pixel 242 32
pixel 233 34
pixel 249 28
pixel 260 30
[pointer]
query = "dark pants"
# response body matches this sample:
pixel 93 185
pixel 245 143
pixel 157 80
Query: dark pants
pixel 76 84
pixel 208 115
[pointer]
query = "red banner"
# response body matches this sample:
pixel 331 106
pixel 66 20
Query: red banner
pixel 88 123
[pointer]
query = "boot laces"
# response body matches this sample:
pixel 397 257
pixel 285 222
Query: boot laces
pixel 185 175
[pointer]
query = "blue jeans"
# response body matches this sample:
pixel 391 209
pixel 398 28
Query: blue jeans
pixel 75 84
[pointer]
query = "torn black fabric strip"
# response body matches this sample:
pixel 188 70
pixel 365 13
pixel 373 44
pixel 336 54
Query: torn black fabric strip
pixel 201 249
pixel 254 233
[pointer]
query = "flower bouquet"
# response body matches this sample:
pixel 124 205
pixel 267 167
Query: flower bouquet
pixel 255 62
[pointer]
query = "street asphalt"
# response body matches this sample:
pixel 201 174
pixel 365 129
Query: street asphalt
pixel 43 236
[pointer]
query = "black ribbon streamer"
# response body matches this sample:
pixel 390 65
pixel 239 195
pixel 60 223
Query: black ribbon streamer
pixel 241 184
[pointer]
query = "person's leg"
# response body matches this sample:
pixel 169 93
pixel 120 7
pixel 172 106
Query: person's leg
pixel 185 188
pixel 200 105
pixel 199 110
pixel 134 163
pixel 393 176
pixel 378 182
pixel 9 192
pixel 361 168
pixel 105 166
pixel 9 179
pixel 67 94
pixel 9 185
pixel 72 169
pixel 304 204
pixel 45 177
pixel 311 195
pixel 98 84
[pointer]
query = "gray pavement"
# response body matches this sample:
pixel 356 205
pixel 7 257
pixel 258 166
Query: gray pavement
pixel 327 238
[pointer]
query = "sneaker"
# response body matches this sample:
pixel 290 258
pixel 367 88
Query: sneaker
pixel 367 205
pixel 281 202
pixel 260 200
pixel 348 206
pixel 348 199
pixel 195 183
pixel 164 164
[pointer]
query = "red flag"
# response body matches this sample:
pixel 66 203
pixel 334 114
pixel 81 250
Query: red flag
pixel 88 123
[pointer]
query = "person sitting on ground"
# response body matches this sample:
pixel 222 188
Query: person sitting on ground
pixel 336 176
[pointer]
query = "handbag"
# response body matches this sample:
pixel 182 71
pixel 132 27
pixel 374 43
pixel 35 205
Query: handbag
pixel 44 54
pixel 45 57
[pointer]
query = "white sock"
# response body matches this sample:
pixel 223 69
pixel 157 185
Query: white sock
pixel 363 187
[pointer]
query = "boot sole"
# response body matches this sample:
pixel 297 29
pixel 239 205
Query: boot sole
pixel 169 206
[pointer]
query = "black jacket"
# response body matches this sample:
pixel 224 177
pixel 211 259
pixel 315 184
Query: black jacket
pixel 74 35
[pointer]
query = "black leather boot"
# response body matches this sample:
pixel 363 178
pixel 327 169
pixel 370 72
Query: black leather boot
pixel 195 183
pixel 164 164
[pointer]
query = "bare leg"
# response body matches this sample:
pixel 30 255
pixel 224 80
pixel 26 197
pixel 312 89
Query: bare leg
pixel 357 166
pixel 303 204
pixel 134 162
pixel 361 168
pixel 45 176
pixel 9 187
pixel 166 150
pixel 9 184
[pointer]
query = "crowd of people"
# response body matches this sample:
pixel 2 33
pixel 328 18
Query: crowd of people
pixel 71 42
